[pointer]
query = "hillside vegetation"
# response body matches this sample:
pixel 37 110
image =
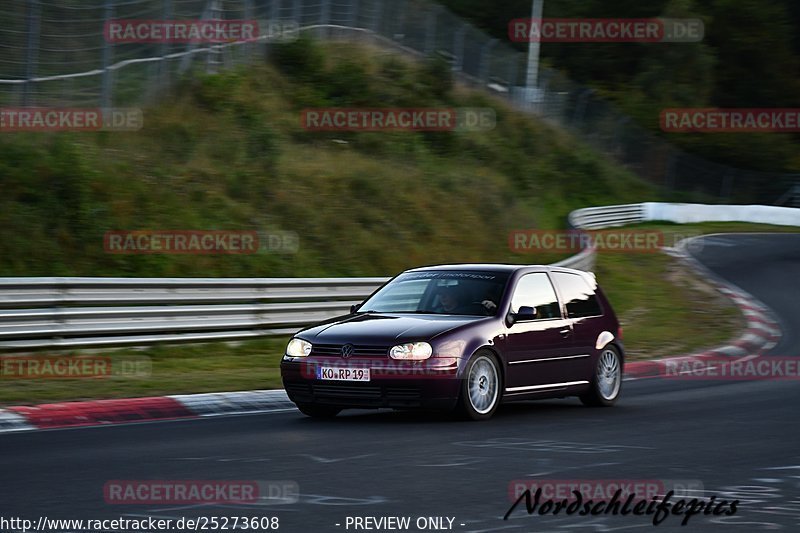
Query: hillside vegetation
pixel 228 152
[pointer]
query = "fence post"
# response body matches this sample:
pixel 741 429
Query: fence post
pixel 458 48
pixel 669 173
pixel 400 23
pixel 187 59
pixel 297 11
pixel 213 55
pixel 265 49
pixel 166 49
pixel 353 19
pixel 32 63
pixel 274 11
pixel 108 74
pixel 376 18
pixel 617 145
pixel 430 30
pixel 727 184
pixel 485 51
pixel 512 76
pixel 325 18
pixel 580 109
pixel 796 195
pixel 249 46
pixel 792 196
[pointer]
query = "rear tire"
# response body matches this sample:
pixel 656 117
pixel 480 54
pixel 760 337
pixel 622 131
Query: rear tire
pixel 481 388
pixel 606 384
pixel 318 411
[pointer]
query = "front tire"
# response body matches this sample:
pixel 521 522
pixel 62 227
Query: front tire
pixel 480 388
pixel 318 411
pixel 606 383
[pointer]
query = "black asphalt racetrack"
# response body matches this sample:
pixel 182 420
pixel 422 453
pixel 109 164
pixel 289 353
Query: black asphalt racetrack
pixel 739 439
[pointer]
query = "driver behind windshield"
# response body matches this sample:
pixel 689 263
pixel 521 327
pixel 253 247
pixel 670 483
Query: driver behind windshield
pixel 449 300
pixel 452 302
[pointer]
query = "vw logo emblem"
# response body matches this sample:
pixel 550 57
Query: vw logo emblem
pixel 347 350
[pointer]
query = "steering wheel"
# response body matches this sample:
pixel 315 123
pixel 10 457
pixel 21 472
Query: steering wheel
pixel 487 310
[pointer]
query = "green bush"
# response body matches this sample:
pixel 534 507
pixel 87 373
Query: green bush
pixel 301 60
pixel 436 78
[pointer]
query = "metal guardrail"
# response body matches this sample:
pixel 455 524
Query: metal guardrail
pixel 23 292
pixel 38 313
pixel 72 312
pixel 607 217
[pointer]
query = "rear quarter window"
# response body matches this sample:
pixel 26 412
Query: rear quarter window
pixel 579 296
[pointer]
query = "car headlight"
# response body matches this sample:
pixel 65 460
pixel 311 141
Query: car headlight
pixel 412 351
pixel 298 348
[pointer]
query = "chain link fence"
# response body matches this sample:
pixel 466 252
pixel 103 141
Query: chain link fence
pixel 54 53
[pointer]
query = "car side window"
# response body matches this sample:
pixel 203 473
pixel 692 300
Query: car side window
pixel 535 290
pixel 581 300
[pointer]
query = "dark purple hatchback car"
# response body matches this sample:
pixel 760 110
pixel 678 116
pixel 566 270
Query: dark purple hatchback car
pixel 462 338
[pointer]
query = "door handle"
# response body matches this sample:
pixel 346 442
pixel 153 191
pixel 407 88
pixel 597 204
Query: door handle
pixel 565 332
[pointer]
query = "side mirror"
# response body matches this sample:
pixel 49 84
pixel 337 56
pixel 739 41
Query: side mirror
pixel 354 308
pixel 524 313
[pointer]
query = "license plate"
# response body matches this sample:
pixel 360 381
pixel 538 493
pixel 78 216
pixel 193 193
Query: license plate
pixel 342 374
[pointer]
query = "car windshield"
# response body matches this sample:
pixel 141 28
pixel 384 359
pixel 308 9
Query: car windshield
pixel 451 292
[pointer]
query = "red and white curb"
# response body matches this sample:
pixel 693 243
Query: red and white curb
pixel 126 410
pixel 761 334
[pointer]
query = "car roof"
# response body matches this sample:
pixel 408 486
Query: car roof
pixel 494 267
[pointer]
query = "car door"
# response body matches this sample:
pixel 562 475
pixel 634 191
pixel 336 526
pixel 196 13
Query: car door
pixel 535 347
pixel 585 317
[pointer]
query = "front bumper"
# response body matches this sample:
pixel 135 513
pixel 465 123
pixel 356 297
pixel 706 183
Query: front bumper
pixel 400 385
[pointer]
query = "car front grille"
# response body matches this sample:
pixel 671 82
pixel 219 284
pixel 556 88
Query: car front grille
pixel 355 394
pixel 359 350
pixel 348 390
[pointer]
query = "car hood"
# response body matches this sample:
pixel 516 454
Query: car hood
pixel 379 329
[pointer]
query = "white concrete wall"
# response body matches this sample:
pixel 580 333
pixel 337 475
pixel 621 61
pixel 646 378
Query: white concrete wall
pixel 689 213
